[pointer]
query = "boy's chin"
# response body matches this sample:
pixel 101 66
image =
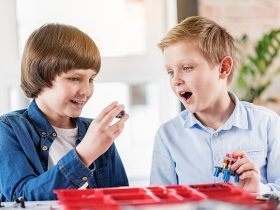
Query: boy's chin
pixel 74 114
pixel 189 109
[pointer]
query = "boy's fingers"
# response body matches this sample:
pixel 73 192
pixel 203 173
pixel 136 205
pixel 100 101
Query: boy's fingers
pixel 240 154
pixel 120 123
pixel 239 162
pixel 247 166
pixel 249 174
pixel 108 118
pixel 242 158
pixel 115 129
pixel 118 128
pixel 106 110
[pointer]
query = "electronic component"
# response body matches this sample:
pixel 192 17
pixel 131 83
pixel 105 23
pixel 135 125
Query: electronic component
pixel 121 114
pixel 226 168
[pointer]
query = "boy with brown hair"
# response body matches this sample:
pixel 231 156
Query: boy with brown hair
pixel 199 57
pixel 48 146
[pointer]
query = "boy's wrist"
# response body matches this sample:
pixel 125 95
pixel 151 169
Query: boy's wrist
pixel 86 153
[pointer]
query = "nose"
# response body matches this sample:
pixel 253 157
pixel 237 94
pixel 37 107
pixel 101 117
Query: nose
pixel 177 79
pixel 86 89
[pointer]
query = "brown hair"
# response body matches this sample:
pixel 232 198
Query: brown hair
pixel 53 49
pixel 212 40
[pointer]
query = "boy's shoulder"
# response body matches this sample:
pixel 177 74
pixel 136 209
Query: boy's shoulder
pixel 252 111
pixel 14 115
pixel 258 110
pixel 177 120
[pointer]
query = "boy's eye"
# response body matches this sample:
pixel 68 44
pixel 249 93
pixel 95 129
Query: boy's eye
pixel 170 73
pixel 187 68
pixel 74 79
pixel 91 80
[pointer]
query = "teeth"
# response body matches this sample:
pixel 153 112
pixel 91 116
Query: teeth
pixel 77 102
pixel 182 93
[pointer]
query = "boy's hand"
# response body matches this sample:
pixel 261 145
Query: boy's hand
pixel 249 179
pixel 101 133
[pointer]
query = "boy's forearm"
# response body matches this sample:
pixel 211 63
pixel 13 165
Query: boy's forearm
pixel 26 182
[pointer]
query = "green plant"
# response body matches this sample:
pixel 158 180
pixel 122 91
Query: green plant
pixel 255 72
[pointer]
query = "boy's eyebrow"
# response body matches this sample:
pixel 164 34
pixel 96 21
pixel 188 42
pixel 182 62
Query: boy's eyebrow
pixel 167 66
pixel 81 74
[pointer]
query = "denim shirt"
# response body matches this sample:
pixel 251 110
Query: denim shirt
pixel 25 139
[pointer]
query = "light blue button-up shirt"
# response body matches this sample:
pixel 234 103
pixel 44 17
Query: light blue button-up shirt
pixel 186 152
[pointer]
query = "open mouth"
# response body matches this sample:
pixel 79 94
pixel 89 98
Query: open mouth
pixel 77 102
pixel 185 95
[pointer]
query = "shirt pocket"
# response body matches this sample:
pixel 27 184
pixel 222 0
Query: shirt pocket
pixel 257 155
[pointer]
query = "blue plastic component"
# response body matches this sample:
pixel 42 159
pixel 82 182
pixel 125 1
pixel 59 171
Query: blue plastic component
pixel 236 178
pixel 217 172
pixel 226 168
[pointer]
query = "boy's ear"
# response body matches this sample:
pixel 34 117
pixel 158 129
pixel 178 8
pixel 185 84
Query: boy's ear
pixel 226 66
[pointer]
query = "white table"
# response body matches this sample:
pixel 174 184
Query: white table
pixel 32 205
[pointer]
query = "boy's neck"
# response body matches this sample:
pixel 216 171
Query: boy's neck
pixel 54 118
pixel 66 124
pixel 217 116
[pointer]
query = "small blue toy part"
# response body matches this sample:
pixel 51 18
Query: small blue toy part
pixel 226 176
pixel 236 178
pixel 228 161
pixel 217 172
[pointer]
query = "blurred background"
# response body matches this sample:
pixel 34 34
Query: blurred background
pixel 127 33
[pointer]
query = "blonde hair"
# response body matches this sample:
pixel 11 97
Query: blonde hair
pixel 53 49
pixel 212 40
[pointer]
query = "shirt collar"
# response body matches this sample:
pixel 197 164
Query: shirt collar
pixel 39 120
pixel 238 117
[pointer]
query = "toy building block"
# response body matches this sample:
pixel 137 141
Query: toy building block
pixel 226 168
pixel 19 202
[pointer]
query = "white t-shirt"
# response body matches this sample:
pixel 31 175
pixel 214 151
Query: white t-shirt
pixel 62 144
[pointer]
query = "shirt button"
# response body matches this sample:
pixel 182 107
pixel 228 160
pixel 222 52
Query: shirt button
pixel 215 134
pixel 84 178
pixel 44 133
pixel 44 148
pixel 54 134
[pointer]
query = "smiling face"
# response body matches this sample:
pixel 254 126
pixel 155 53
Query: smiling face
pixel 196 83
pixel 66 98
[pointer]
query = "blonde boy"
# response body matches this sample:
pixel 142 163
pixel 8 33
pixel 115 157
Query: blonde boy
pixel 199 58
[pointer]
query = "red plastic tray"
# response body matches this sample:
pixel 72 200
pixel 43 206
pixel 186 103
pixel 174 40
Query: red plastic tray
pixel 115 198
pixel 226 192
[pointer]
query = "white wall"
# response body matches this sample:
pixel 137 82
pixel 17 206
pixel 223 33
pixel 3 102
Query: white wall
pixel 133 69
pixel 9 61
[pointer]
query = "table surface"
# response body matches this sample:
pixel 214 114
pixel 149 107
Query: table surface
pixel 32 205
pixel 209 205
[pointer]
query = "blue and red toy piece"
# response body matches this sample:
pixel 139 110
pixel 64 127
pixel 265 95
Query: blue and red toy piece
pixel 226 168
